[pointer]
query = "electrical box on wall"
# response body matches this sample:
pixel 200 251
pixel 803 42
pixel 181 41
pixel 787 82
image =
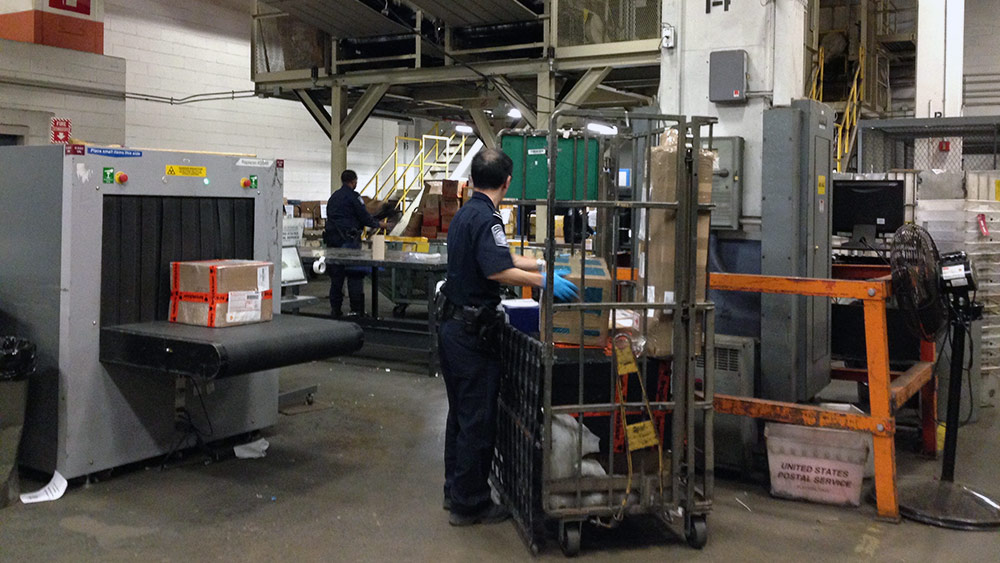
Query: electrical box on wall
pixel 795 241
pixel 727 76
pixel 727 182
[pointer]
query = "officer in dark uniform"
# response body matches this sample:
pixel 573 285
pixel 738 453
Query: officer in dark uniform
pixel 479 260
pixel 346 217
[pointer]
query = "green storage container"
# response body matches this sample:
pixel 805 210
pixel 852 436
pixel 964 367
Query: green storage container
pixel 576 173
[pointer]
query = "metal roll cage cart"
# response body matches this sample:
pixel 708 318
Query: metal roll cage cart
pixel 678 489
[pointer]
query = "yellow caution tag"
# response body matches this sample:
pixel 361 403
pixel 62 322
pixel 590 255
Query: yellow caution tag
pixel 641 435
pixel 821 184
pixel 625 359
pixel 189 171
pixel 996 189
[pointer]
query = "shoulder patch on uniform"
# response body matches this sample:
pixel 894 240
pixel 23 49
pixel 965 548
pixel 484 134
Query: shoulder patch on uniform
pixel 498 236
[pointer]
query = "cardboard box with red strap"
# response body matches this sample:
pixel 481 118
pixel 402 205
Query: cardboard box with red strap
pixel 220 293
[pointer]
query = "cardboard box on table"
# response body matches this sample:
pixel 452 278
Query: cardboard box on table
pixel 599 289
pixel 312 209
pixel 660 258
pixel 221 293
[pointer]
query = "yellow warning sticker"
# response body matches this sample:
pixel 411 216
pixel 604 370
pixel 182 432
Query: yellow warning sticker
pixel 190 171
pixel 821 184
pixel 626 360
pixel 996 189
pixel 641 435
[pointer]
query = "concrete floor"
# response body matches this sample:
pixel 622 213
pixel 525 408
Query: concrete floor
pixel 361 481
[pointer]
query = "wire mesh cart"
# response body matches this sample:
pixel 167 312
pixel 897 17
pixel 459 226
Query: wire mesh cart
pixel 406 287
pixel 622 427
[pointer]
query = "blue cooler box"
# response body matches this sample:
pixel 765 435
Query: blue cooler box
pixel 523 314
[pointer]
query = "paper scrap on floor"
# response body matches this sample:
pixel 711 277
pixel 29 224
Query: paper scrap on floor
pixel 53 491
pixel 252 450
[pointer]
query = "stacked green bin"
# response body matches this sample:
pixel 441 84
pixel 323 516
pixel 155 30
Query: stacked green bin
pixel 577 166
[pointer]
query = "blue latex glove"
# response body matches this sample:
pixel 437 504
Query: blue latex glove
pixel 562 289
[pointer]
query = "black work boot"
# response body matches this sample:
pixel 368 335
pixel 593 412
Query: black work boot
pixel 492 514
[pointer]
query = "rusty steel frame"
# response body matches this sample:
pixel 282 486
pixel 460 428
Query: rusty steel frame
pixel 886 395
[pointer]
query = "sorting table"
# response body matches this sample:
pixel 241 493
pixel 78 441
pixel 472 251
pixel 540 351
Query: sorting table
pixel 398 332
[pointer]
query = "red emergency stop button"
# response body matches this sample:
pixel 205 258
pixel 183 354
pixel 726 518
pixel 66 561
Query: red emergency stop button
pixel 246 183
pixel 121 177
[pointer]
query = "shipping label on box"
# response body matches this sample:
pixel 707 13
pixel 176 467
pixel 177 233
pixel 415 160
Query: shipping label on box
pixel 220 293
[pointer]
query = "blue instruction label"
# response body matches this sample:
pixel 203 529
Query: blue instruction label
pixel 116 153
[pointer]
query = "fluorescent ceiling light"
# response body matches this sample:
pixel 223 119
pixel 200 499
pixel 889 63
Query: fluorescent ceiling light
pixel 464 129
pixel 514 113
pixel 602 129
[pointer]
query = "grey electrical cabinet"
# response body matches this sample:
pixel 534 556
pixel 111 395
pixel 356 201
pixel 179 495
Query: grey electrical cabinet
pixel 727 76
pixel 795 241
pixel 727 182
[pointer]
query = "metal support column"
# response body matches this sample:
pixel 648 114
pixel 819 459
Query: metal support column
pixel 338 146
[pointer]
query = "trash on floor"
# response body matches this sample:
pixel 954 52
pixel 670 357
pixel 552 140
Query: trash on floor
pixel 252 450
pixel 53 491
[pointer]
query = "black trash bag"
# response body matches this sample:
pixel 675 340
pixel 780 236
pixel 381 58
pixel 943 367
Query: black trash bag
pixel 17 358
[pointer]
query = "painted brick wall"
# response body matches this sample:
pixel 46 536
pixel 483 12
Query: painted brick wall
pixel 83 87
pixel 177 48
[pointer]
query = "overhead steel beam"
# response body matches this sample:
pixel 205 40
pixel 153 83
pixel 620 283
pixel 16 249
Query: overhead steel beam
pixel 316 109
pixel 643 53
pixel 359 114
pixel 583 88
pixel 484 128
pixel 512 96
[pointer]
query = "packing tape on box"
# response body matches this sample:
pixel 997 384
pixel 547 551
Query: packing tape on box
pixel 319 267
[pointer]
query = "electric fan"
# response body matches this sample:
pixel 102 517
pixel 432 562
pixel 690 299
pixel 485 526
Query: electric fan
pixel 933 292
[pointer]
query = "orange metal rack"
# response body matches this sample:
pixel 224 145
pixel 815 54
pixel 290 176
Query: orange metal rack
pixel 888 390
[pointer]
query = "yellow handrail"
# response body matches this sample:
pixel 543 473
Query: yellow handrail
pixel 849 120
pixel 378 171
pixel 429 156
pixel 816 93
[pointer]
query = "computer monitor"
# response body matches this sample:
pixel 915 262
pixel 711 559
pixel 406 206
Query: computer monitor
pixel 865 209
pixel 291 267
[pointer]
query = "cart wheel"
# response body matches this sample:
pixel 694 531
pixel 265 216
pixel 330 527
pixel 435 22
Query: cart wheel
pixel 569 538
pixel 697 532
pixel 310 398
pixel 399 311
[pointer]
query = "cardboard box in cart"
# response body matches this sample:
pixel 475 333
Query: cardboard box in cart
pixel 221 293
pixel 599 289
pixel 817 464
pixel 659 261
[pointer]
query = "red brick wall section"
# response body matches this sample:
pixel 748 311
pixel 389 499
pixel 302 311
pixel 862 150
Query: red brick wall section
pixel 55 30
pixel 21 26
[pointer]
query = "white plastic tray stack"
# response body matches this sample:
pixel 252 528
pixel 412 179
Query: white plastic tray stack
pixel 954 224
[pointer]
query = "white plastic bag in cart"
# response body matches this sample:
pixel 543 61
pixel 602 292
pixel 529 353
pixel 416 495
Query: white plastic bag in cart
pixel 566 455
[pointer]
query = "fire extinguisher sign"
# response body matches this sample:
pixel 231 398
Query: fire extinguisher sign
pixel 61 130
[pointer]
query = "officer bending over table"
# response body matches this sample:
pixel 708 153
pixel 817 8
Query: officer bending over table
pixel 479 260
pixel 346 220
